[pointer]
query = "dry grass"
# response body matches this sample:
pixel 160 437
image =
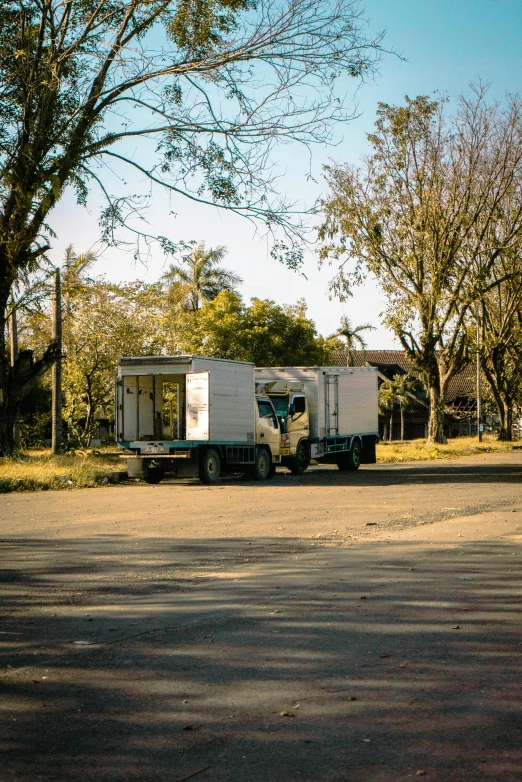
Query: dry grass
pixel 419 450
pixel 39 471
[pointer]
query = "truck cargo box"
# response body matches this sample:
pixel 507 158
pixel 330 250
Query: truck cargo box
pixel 184 398
pixel 342 400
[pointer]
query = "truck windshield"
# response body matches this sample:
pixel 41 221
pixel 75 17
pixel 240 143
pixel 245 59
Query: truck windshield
pixel 281 405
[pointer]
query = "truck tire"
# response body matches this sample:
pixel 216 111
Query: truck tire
pixel 262 464
pixel 154 475
pixel 209 466
pixel 350 460
pixel 301 461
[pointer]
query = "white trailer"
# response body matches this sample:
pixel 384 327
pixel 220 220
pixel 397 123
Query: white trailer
pixel 194 414
pixel 326 413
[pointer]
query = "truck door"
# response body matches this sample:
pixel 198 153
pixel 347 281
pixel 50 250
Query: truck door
pixel 331 404
pixel 267 426
pixel 298 421
pixel 198 406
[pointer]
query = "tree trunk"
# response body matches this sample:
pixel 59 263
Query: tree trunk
pixel 505 412
pixel 57 368
pixel 436 420
pixel 7 406
pixel 402 423
pixel 391 427
pixel 13 332
pixel 495 372
pixel 87 431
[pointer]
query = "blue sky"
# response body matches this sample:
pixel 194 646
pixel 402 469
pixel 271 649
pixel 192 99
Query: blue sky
pixel 446 45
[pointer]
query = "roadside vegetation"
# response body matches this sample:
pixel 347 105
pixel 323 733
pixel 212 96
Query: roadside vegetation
pixel 37 470
pixel 420 450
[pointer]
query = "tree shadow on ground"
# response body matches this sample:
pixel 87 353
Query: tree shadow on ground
pixel 219 659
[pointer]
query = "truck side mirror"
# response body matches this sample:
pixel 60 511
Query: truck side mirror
pixel 291 410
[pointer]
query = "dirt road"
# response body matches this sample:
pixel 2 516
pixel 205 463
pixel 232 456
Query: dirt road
pixel 331 627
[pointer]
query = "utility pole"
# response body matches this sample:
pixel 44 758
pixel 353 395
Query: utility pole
pixel 479 398
pixel 13 333
pixel 57 367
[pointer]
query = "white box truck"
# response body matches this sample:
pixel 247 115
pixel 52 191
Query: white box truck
pixel 329 414
pixel 193 416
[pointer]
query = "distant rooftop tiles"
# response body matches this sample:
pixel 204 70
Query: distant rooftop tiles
pixel 391 362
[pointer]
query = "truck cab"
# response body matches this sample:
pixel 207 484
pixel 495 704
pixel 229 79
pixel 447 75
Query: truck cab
pixel 326 413
pixel 268 429
pixel 292 410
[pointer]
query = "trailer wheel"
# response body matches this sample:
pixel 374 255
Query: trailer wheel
pixel 262 463
pixel 351 459
pixel 301 461
pixel 209 466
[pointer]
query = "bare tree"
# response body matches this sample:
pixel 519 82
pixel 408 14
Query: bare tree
pixel 205 89
pixel 423 205
pixel 500 332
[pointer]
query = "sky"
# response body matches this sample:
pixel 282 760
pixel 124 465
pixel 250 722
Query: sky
pixel 445 46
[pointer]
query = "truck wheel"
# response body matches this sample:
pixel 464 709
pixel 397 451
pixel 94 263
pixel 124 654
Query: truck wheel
pixel 261 469
pixel 154 475
pixel 351 459
pixel 301 461
pixel 209 466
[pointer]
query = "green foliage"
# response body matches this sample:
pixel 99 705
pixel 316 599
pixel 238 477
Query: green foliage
pixel 35 415
pixel 199 27
pixel 199 277
pixel 265 333
pixel 101 322
pixel 104 321
pixel 401 391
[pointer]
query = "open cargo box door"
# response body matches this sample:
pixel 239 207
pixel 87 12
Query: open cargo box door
pixel 198 406
pixel 118 408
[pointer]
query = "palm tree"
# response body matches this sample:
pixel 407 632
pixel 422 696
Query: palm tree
pixel 387 403
pixel 73 273
pixel 201 276
pixel 404 387
pixel 70 278
pixel 352 335
pixel 401 390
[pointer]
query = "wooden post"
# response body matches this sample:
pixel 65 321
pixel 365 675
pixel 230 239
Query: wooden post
pixel 13 333
pixel 57 367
